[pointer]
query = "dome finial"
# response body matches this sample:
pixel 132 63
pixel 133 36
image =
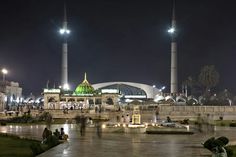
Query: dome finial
pixel 85 76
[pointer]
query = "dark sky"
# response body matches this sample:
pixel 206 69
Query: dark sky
pixel 116 41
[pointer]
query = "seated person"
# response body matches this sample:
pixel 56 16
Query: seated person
pixel 57 133
pixel 168 119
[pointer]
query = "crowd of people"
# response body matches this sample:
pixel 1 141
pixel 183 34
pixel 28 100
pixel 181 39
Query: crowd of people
pixel 60 135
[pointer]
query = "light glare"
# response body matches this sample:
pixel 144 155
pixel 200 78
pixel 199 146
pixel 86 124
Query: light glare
pixel 66 87
pixel 64 31
pixel 4 71
pixel 171 30
pixel 103 126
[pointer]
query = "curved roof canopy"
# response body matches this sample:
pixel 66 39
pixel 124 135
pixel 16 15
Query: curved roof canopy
pixel 130 89
pixel 125 89
pixel 84 88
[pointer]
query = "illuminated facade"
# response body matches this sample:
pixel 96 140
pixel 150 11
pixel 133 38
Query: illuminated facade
pixel 84 97
pixel 130 89
pixel 11 94
pixel 2 102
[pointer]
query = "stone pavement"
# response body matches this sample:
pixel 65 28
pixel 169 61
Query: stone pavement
pixel 116 146
pixel 119 144
pixel 128 145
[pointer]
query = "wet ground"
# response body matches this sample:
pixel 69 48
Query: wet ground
pixel 119 144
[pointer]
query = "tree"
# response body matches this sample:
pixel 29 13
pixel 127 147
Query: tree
pixel 225 97
pixel 47 117
pixel 208 77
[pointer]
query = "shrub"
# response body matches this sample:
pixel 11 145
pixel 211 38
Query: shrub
pixel 208 144
pixel 27 118
pixel 36 148
pixel 47 117
pixel 232 124
pixel 52 141
pixel 219 143
pixel 185 121
pixel 22 119
pixel 222 124
pixel 229 151
pixel 3 123
pixel 224 140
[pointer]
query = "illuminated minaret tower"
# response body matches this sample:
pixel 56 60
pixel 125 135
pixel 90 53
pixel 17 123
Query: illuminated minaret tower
pixel 64 31
pixel 174 67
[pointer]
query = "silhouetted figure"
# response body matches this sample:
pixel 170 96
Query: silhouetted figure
pixel 29 112
pixel 199 122
pixel 157 113
pixel 117 119
pixel 65 111
pixel 57 133
pixel 82 125
pixel 99 127
pixel 168 119
pixel 62 133
pixel 46 134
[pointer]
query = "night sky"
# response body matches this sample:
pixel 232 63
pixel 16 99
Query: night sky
pixel 116 41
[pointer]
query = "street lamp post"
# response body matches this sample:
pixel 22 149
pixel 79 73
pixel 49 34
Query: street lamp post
pixel 4 72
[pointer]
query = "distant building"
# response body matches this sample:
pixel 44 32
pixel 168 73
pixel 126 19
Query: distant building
pixel 2 102
pixel 107 95
pixel 11 94
pixel 84 97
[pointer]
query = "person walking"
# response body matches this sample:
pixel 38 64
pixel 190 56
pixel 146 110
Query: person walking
pixel 82 125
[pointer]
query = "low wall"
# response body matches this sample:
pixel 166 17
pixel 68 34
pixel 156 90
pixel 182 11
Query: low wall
pixel 179 112
pixel 148 114
pixel 175 112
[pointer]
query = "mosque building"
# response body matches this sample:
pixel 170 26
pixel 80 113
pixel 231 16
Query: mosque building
pixel 83 97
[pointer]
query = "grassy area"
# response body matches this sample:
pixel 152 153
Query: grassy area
pixel 224 122
pixel 233 148
pixel 12 146
pixel 219 123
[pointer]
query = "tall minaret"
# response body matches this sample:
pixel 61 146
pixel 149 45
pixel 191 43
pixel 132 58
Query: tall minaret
pixel 174 68
pixel 64 31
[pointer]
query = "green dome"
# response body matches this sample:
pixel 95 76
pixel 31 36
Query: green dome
pixel 84 88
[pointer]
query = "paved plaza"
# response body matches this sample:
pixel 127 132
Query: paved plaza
pixel 125 145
